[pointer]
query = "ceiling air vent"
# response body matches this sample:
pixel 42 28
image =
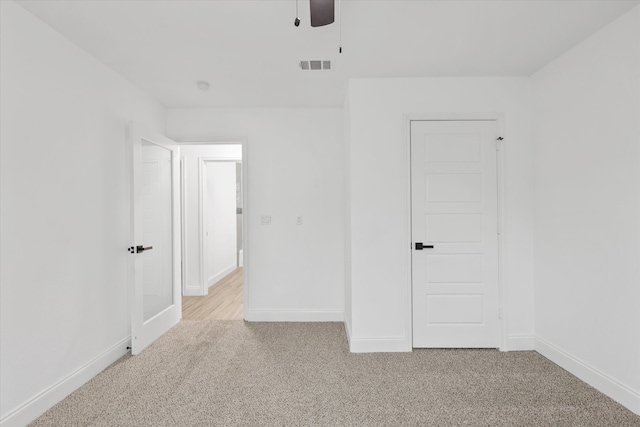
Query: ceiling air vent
pixel 315 64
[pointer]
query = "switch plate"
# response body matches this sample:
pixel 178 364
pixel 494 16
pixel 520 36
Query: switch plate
pixel 299 220
pixel 265 220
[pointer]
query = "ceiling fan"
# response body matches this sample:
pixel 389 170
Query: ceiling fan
pixel 322 12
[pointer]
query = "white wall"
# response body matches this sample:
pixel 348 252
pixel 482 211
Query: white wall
pixel 191 216
pixel 219 223
pixel 295 167
pixel 379 199
pixel 64 213
pixel 587 210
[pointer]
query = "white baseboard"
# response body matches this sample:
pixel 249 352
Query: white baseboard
pixel 614 389
pixel 221 274
pixel 347 329
pixel 294 315
pixel 44 400
pixel 379 345
pixel 520 343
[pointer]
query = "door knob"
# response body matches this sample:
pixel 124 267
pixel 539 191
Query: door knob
pixel 141 248
pixel 420 246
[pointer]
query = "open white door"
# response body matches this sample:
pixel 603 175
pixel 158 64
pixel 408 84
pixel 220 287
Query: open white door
pixel 155 236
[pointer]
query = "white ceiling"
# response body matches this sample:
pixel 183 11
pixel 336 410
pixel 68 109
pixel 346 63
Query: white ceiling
pixel 249 50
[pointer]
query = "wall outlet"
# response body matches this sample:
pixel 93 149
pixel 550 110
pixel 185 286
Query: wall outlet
pixel 298 220
pixel 265 220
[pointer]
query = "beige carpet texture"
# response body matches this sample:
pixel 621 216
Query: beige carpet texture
pixel 233 373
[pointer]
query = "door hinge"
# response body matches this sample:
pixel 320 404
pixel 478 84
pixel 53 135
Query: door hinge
pixel 499 313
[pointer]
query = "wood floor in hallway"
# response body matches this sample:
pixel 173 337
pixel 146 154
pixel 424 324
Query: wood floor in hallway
pixel 224 301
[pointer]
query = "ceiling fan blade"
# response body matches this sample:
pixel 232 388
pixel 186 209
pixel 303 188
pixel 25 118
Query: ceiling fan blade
pixel 322 12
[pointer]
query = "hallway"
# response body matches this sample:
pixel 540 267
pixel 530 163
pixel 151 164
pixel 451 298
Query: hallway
pixel 224 301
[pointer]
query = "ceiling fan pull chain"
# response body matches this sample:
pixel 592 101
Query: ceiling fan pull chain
pixel 340 24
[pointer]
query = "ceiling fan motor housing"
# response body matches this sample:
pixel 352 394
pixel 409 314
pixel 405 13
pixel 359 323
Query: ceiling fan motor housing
pixel 322 12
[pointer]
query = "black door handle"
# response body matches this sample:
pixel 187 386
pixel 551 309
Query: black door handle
pixel 141 248
pixel 420 246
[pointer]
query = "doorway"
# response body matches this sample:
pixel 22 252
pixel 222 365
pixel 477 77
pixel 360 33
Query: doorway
pixel 455 294
pixel 221 219
pixel 214 230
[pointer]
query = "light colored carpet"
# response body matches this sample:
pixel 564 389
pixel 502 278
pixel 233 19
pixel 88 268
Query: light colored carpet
pixel 232 373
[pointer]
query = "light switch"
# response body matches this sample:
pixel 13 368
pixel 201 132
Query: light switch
pixel 265 220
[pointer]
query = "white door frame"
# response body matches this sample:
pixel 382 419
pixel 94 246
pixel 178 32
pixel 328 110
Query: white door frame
pixel 202 164
pixel 183 261
pixel 243 141
pixel 502 288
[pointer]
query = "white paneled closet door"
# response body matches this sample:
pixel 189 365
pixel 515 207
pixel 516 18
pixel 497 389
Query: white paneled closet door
pixel 455 292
